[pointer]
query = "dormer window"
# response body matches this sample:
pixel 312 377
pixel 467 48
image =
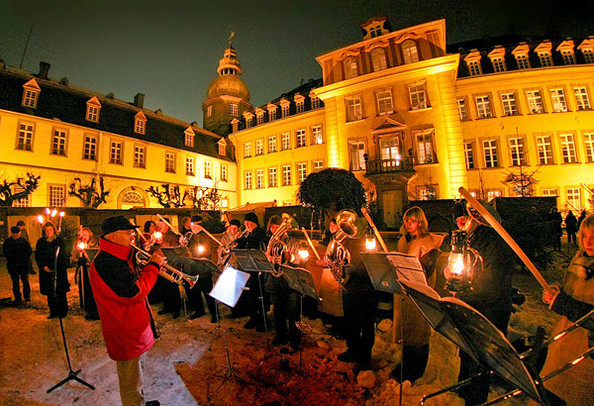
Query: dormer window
pixel 497 57
pixel 566 48
pixel 249 119
pixel 299 103
pixel 350 67
pixel 31 92
pixel 93 108
pixel 523 61
pixel 189 137
pixel 222 147
pixel 140 123
pixel 543 50
pixel 285 108
pixel 375 27
pixel 235 125
pixel 271 111
pixel 209 111
pixel 409 51
pixel 315 102
pixel 259 116
pixel 473 61
pixel 587 48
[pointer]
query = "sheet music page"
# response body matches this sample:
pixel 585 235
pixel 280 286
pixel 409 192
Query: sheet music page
pixel 408 267
pixel 229 286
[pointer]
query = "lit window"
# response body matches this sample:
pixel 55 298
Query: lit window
pixel 140 123
pixel 22 202
pixel 550 192
pixel 384 102
pixel 286 171
pixel 247 180
pixel 260 118
pixel 462 110
pixel 559 102
pixel 57 195
pixel 169 162
pixel 409 51
pixel 318 165
pixel 316 135
pixel 492 194
pixel 301 171
pixel 574 198
pixel 115 153
pixel 272 144
pixel 516 149
pixel 350 67
pixel 354 108
pixel 248 120
pixel 523 61
pixel 418 98
pixel 589 146
pixel 315 102
pixel 474 67
pixel 510 107
pixel 568 148
pixel 285 110
pixel 544 147
pixel 25 137
pixel 272 182
pixel 208 169
pixel 581 98
pixel 490 153
pixel 233 109
pixel 425 152
pixel 224 173
pixel 357 156
pixel 259 178
pixel 139 157
pixel 90 147
pixel 260 147
pixel 428 192
pixel 224 203
pixel 287 202
pixel 483 107
pixel 247 150
pixel 535 102
pixel 390 150
pixel 189 166
pixel 300 136
pixel 271 112
pixel 189 137
pixel 469 155
pixel 285 141
pixel 378 59
pixel 209 111
pixel 299 106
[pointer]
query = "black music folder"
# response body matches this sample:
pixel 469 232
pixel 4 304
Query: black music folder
pixel 385 269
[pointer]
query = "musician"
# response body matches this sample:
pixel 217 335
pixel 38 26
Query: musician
pixel 253 239
pixel 169 238
pixel 149 229
pixel 228 238
pixel 490 294
pixel 80 258
pixel 169 290
pixel 186 224
pixel 199 243
pixel 121 290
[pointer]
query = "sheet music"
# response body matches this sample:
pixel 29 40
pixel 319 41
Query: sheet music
pixel 229 286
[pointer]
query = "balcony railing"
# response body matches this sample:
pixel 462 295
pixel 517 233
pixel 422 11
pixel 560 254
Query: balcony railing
pixel 389 166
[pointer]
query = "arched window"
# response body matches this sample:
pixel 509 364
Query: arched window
pixel 409 51
pixel 378 59
pixel 131 199
pixel 350 67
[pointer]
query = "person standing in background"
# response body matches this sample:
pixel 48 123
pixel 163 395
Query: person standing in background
pixel 18 251
pixel 570 227
pixel 25 235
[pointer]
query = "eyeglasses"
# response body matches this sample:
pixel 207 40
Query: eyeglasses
pixel 129 232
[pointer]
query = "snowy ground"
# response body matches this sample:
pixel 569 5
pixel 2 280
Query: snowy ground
pixel 181 369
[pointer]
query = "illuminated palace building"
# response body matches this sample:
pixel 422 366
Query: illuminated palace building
pixel 410 119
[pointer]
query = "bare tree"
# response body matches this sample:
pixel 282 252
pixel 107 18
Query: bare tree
pixel 18 189
pixel 204 198
pixel 168 197
pixel 522 184
pixel 90 194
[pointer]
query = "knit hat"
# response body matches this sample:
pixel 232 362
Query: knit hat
pixel 459 209
pixel 116 223
pixel 251 216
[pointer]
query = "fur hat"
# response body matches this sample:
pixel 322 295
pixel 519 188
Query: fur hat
pixel 251 216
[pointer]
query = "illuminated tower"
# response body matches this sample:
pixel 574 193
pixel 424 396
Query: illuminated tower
pixel 228 96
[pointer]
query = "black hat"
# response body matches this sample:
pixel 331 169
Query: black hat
pixel 235 222
pixel 15 229
pixel 117 223
pixel 196 219
pixel 251 216
pixel 459 209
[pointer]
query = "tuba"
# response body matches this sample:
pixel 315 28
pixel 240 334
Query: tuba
pixel 278 250
pixel 349 226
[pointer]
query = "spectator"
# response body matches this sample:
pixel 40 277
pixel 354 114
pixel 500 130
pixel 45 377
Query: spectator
pixel 25 235
pixel 581 218
pixel 555 221
pixel 570 227
pixel 18 251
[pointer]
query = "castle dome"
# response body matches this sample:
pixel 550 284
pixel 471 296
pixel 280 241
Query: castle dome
pixel 228 83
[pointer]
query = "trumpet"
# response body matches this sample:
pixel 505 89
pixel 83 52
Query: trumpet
pixel 166 271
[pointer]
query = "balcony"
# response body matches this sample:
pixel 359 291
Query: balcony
pixel 386 166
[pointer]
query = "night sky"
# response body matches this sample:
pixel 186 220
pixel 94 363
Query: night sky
pixel 169 49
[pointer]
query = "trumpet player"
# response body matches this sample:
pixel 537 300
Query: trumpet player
pixel 120 290
pixel 227 239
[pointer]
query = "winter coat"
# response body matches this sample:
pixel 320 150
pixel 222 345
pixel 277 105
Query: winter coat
pixel 253 240
pixel 18 254
pixel 45 255
pixel 121 296
pixel 574 385
pixel 570 223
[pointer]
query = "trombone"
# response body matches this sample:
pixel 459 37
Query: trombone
pixel 166 271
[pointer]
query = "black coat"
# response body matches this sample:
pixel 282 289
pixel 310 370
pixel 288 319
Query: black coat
pixel 45 255
pixel 18 254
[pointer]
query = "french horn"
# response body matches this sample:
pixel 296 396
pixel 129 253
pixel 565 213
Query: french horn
pixel 349 226
pixel 278 251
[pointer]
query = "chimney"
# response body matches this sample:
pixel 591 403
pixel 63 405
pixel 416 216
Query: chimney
pixel 44 68
pixel 139 100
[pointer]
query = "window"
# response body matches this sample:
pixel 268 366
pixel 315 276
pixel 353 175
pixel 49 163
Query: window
pixel 544 147
pixel 549 192
pixel 285 141
pixel 140 123
pixel 589 146
pixel 315 102
pixel 272 144
pixel 516 149
pixel 23 202
pixel 492 194
pixel 483 107
pixel 247 150
pixel 272 182
pixel 318 165
pixel 247 180
pixel 350 67
pixel 92 113
pixel 189 138
pixel 224 173
pixel 510 107
pixel 209 111
pixel 490 153
pixel 498 64
pixel 233 109
pixel 559 102
pixel 301 171
pixel 59 143
pixel 272 114
pixel 545 59
pixel 208 169
pixel 260 118
pixel 354 108
pixel 139 157
pixel 588 55
pixel 428 192
pixel 299 106
pixel 300 137
pixel 260 146
pixel 474 67
pixel 425 153
pixel 31 92
pixel 286 171
pixel 574 198
pixel 568 56
pixel 90 147
pixel 357 155
pixel 568 148
pixel 224 203
pixel 469 155
pixel 169 162
pixel 462 111
pixel 57 195
pixel 409 51
pixel 378 59
pixel 581 98
pixel 375 32
pixel 523 61
pixel 259 178
pixel 287 202
pixel 285 110
pixel 222 147
pixel 189 166
pixel 389 149
pixel 25 138
pixel 418 99
pixel 115 152
pixel 535 101
pixel 384 102
pixel 316 135
pixel 248 120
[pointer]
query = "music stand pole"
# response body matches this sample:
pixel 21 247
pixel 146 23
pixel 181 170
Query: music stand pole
pixel 264 316
pixel 72 375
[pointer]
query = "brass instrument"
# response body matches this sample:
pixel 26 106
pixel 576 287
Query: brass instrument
pixel 277 246
pixel 166 271
pixel 349 226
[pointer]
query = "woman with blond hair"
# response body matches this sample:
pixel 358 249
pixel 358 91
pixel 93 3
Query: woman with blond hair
pixel 410 326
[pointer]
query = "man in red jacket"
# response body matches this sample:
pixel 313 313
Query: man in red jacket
pixel 120 291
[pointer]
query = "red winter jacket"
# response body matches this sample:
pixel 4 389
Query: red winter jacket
pixel 121 296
